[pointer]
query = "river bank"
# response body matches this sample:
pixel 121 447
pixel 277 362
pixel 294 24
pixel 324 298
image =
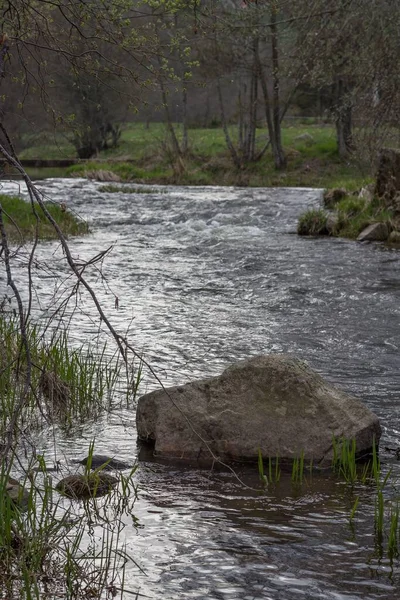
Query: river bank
pixel 142 156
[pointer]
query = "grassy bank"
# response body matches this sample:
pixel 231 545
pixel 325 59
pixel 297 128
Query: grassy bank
pixel 21 221
pixel 310 148
pixel 350 216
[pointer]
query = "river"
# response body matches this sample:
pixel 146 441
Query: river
pixel 205 277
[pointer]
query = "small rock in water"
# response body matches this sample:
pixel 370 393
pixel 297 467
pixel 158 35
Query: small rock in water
pixel 110 463
pixel 81 487
pixel 17 493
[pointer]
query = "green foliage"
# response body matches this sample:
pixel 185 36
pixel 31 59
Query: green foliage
pixel 312 222
pixel 353 214
pixel 23 221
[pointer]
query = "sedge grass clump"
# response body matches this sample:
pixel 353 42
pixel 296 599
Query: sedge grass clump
pixel 386 511
pixel 76 384
pixel 24 221
pixel 67 385
pixel 312 223
pixel 344 459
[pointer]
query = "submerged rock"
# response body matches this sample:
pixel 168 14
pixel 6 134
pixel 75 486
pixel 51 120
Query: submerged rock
pixel 81 487
pixel 17 493
pixel 110 464
pixel 376 232
pixel 275 403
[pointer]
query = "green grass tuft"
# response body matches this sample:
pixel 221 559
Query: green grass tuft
pixel 312 222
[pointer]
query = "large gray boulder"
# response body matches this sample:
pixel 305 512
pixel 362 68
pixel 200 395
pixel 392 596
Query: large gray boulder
pixel 276 403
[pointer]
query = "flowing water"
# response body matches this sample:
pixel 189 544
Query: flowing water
pixel 205 277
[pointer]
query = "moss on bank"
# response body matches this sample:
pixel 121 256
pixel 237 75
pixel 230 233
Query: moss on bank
pixel 21 222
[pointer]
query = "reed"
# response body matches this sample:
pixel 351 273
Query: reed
pixel 274 470
pixel 393 549
pixel 344 459
pixel 298 469
pixel 261 474
pixel 379 514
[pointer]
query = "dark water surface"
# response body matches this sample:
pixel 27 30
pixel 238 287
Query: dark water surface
pixel 204 277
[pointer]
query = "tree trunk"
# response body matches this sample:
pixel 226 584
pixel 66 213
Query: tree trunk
pixel 253 104
pixel 185 140
pixel 234 155
pixel 170 126
pixel 343 119
pixel 240 122
pixel 279 155
pixel 267 106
